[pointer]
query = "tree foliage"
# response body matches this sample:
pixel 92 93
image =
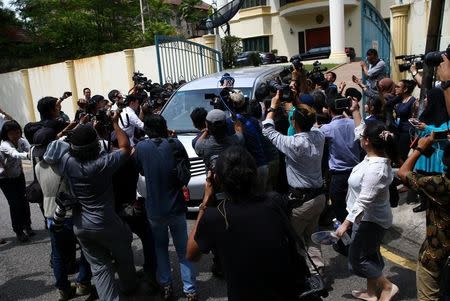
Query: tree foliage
pixel 70 29
pixel 231 47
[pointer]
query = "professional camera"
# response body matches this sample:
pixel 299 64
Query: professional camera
pixel 285 90
pixel 410 60
pixel 316 74
pixel 220 101
pixel 296 62
pixel 140 81
pixel 434 59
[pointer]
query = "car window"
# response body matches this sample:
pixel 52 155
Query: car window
pixel 314 50
pixel 178 110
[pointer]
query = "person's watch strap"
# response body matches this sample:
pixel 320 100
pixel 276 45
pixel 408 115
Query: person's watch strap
pixel 202 207
pixel 445 85
pixel 419 149
pixel 271 109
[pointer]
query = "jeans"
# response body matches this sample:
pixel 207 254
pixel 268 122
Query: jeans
pixel 178 229
pixel 19 208
pixel 63 245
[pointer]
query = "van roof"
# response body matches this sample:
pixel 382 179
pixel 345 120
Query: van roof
pixel 243 77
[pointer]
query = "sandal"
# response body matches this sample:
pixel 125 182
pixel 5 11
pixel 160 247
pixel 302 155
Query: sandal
pixel 359 295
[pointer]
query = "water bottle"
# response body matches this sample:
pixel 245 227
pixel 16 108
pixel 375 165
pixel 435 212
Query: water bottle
pixel 345 238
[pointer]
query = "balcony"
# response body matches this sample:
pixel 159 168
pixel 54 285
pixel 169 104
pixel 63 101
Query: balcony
pixel 302 7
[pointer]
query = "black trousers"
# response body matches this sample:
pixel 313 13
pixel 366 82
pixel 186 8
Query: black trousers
pixel 19 208
pixel 338 193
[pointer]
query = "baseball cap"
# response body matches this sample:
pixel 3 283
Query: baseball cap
pixel 216 115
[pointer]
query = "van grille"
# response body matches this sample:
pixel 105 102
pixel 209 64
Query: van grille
pixel 197 166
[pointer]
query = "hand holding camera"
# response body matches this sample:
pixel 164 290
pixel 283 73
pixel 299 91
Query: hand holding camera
pixel 276 100
pixel 66 94
pixel 443 71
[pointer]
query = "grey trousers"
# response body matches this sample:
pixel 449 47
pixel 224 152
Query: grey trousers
pixel 305 220
pixel 100 248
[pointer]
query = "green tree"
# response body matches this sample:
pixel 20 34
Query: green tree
pixel 192 15
pixel 231 47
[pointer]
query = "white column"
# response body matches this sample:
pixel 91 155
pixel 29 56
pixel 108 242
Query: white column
pixel 337 32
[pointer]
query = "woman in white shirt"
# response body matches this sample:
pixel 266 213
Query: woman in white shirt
pixel 369 211
pixel 14 149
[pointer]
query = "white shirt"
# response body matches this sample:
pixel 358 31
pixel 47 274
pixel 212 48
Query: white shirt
pixel 128 124
pixel 11 158
pixel 368 192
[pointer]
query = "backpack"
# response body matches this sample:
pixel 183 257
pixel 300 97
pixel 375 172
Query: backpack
pixel 31 128
pixel 182 168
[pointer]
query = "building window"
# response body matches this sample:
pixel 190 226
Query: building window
pixel 256 44
pixel 253 3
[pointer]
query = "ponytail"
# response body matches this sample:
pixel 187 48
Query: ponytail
pixel 381 139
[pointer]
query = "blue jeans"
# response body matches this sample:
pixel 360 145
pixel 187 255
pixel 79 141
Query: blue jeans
pixel 178 230
pixel 63 245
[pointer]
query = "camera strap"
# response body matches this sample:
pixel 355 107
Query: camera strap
pixel 128 120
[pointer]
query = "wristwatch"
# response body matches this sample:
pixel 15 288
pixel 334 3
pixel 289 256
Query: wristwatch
pixel 445 85
pixel 414 74
pixel 271 110
pixel 420 150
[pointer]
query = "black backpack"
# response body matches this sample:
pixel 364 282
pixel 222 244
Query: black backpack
pixel 182 168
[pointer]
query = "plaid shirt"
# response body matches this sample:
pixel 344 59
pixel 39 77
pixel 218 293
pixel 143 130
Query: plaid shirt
pixel 436 247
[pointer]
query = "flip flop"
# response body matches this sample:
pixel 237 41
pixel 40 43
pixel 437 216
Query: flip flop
pixel 357 295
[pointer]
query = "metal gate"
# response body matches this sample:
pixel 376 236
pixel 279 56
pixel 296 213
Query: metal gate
pixel 182 59
pixel 375 33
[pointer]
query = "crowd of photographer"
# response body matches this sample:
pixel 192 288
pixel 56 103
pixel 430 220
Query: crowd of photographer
pixel 278 166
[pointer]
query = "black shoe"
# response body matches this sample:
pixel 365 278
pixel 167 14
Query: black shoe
pixel 22 237
pixel 191 296
pixel 29 232
pixel 2 241
pixel 420 208
pixel 167 292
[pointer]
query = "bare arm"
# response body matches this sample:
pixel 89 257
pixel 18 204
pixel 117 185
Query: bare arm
pixel 122 138
pixel 443 73
pixel 193 252
pixel 408 166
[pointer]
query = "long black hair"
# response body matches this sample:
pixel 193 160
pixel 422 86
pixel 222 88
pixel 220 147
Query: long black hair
pixel 435 112
pixel 381 139
pixel 8 126
pixel 237 173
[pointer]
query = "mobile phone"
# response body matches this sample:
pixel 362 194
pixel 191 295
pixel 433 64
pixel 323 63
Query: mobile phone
pixel 343 103
pixel 441 136
pixel 414 122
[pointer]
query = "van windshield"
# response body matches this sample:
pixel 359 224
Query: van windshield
pixel 178 110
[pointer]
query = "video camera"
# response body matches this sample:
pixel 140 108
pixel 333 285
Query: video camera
pixel 431 59
pixel 285 90
pixel 220 101
pixel 316 74
pixel 140 81
pixel 410 60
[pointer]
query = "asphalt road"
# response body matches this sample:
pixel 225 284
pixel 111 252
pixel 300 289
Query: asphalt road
pixel 25 273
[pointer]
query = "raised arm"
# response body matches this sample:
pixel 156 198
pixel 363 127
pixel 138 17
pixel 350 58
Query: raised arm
pixel 443 73
pixel 122 138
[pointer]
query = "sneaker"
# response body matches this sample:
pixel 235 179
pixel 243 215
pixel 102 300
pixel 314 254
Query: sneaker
pixel 83 289
pixel 67 294
pixel 167 292
pixel 191 296
pixel 29 232
pixel 22 237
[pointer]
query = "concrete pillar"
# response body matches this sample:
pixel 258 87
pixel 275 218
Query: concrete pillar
pixel 209 40
pixel 27 87
pixel 129 59
pixel 399 35
pixel 337 32
pixel 73 84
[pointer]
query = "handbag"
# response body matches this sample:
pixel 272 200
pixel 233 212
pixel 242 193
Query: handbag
pixel 33 192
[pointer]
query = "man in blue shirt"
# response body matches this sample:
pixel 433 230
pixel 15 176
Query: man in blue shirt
pixel 343 155
pixel 164 203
